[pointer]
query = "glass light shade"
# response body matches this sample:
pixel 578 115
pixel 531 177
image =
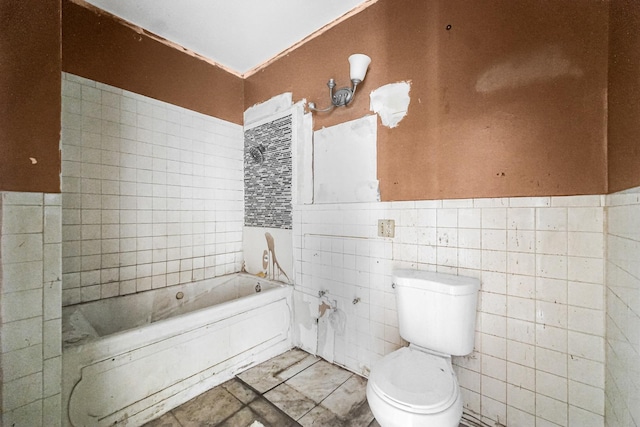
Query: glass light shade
pixel 359 64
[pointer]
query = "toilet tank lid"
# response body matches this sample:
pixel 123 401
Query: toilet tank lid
pixel 436 282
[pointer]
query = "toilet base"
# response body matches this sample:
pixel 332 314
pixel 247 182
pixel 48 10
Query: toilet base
pixel 388 415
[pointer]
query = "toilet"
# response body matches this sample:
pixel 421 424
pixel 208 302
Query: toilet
pixel 416 386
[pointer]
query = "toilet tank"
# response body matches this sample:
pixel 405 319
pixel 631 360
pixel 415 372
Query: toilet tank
pixel 437 311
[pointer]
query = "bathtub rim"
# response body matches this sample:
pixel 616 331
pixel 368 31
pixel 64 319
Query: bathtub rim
pixel 116 342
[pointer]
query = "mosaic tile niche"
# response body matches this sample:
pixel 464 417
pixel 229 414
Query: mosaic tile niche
pixel 268 174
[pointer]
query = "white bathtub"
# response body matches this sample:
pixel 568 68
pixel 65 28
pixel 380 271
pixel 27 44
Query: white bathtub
pixel 126 360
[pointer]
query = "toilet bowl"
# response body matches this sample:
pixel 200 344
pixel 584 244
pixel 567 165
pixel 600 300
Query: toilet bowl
pixel 413 388
pixel 416 386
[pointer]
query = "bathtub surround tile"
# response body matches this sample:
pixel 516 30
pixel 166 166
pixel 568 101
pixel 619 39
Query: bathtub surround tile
pixel 142 188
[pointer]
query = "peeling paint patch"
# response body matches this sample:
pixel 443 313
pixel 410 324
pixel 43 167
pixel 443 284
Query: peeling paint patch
pixel 391 102
pixel 33 160
pixel 268 108
pixel 522 70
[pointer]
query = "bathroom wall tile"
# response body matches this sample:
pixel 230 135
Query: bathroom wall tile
pixel 517 417
pixel 586 371
pixel 586 397
pixel 586 320
pixel 585 269
pixel 27 415
pixel 20 219
pixel 22 276
pixel 581 417
pixel 551 410
pixel 492 409
pixel 21 392
pixel 586 295
pixel 52 300
pixel 494 218
pixel 21 305
pixel 551 361
pixel 551 219
pixel 588 219
pixel 52 333
pixel 522 377
pixel 551 385
pixel 21 198
pixel 520 202
pixel 21 248
pixel 521 241
pixel 21 334
pixel 584 244
pixel 551 290
pixel 494 389
pixel 21 363
pixel 52 373
pixel 551 242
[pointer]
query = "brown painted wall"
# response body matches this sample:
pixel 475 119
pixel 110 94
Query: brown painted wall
pixel 30 96
pixel 97 46
pixel 510 101
pixel 624 95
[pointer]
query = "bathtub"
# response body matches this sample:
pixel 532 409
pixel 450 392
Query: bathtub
pixel 126 360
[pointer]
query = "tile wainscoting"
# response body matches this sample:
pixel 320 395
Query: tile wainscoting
pixel 623 309
pixel 30 309
pixel 539 353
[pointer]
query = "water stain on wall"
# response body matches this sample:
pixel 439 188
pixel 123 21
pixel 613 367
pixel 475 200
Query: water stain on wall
pixel 546 64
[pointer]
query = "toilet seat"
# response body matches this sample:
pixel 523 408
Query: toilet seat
pixel 416 381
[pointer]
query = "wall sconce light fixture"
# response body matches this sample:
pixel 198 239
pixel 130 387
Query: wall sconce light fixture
pixel 344 96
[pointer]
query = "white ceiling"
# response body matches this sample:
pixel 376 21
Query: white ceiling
pixel 237 34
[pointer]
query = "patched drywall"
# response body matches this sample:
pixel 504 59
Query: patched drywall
pixel 391 102
pixel 344 162
pixel 263 110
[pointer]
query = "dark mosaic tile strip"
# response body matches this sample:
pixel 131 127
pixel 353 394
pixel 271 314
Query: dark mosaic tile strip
pixel 267 185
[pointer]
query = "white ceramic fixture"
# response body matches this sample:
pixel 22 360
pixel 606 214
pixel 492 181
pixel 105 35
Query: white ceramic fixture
pixel 416 386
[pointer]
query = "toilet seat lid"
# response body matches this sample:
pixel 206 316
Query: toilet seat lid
pixel 422 382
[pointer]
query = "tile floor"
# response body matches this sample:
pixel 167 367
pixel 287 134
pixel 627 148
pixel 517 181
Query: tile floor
pixel 293 389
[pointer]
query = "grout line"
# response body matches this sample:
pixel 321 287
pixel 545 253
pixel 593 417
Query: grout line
pixel 261 396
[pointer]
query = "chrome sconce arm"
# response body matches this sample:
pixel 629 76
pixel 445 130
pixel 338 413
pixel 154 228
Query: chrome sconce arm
pixel 343 97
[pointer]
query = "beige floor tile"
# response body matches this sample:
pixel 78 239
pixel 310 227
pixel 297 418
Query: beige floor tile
pixel 243 418
pixel 167 420
pixel 208 409
pixel 290 401
pixel 272 416
pixel 322 417
pixel 319 380
pixel 265 376
pixel 240 390
pixel 349 401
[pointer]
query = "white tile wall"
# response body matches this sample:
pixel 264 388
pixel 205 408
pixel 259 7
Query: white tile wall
pixel 623 309
pixel 538 357
pixel 30 298
pixel 152 193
